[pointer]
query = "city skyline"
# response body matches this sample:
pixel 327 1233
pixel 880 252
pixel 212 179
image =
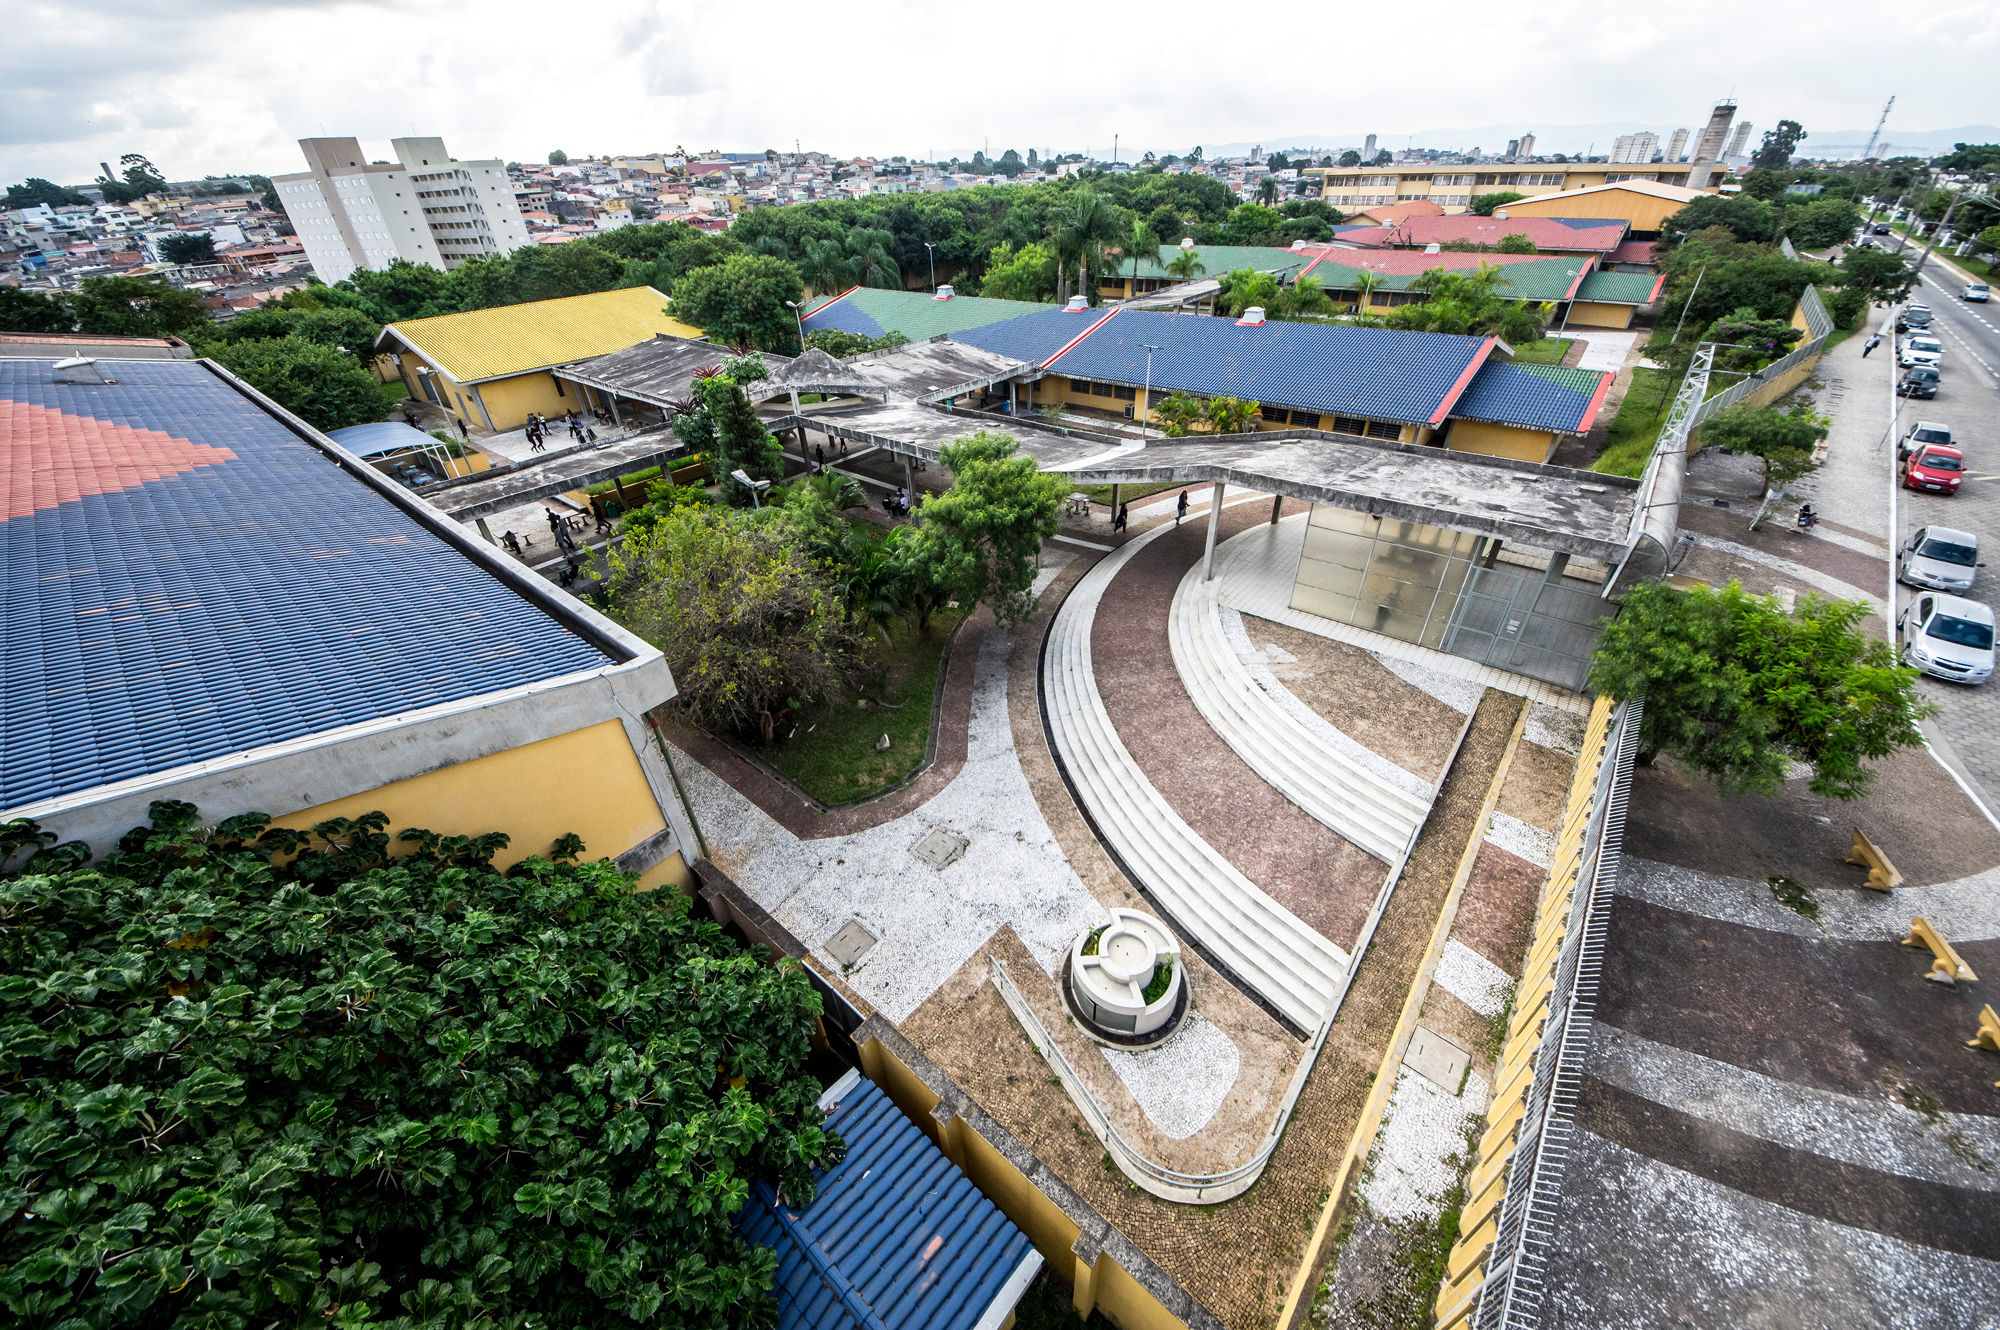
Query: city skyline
pixel 214 89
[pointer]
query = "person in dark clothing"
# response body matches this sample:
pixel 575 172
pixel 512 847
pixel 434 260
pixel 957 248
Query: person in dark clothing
pixel 511 541
pixel 819 455
pixel 1180 509
pixel 1123 510
pixel 461 429
pixel 1874 340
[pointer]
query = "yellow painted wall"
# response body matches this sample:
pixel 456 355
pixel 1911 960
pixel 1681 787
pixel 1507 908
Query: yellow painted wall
pixel 1489 440
pixel 1644 211
pixel 1590 314
pixel 510 400
pixel 587 781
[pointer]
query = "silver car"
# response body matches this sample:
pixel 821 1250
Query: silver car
pixel 1948 638
pixel 1939 558
pixel 1921 349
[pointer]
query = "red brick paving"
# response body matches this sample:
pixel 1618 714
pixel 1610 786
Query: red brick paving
pixel 1497 913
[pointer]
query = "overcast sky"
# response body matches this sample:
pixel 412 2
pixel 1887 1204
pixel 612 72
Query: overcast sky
pixel 203 87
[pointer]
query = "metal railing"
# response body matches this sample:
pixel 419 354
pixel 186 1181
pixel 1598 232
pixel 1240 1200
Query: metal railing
pixel 1512 1293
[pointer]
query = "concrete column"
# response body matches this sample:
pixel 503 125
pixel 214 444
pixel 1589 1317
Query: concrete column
pixel 1277 508
pixel 616 419
pixel 1083 1288
pixel 1114 503
pixel 949 1127
pixel 1214 524
pixel 909 482
pixel 486 531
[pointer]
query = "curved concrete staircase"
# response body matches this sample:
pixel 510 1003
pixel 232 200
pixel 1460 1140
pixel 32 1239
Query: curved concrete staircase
pixel 1267 948
pixel 1356 803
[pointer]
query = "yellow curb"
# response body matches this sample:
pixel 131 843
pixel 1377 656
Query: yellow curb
pixel 1297 1304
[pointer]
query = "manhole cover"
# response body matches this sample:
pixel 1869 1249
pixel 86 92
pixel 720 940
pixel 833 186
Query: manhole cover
pixel 851 943
pixel 1436 1058
pixel 939 847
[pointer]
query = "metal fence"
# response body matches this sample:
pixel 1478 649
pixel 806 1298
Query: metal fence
pixel 1527 623
pixel 1512 1295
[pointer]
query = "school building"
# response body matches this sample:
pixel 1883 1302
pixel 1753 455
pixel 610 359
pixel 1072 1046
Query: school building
pixel 250 618
pixel 1453 188
pixel 492 367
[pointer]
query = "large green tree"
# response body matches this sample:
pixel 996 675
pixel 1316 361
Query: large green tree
pixel 1028 273
pixel 137 307
pixel 1736 687
pixel 982 536
pixel 1818 223
pixel 740 441
pixel 1745 218
pixel 1781 438
pixel 188 247
pixel 33 312
pixel 36 191
pixel 743 300
pixel 1776 152
pixel 1486 204
pixel 258 1077
pixel 748 621
pixel 349 330
pixel 320 384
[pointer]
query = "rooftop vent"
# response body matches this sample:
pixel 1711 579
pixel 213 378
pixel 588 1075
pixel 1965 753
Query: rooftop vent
pixel 1298 245
pixel 1500 214
pixel 1077 305
pixel 1253 317
pixel 1433 248
pixel 1187 242
pixel 944 293
pixel 79 369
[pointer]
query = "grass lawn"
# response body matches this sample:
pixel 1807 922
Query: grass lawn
pixel 1126 493
pixel 1548 351
pixel 831 753
pixel 1629 442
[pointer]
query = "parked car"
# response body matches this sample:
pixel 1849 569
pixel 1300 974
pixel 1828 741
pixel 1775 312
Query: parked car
pixel 1882 228
pixel 1935 469
pixel 1940 558
pixel 1948 637
pixel 1921 433
pixel 1921 349
pixel 1913 316
pixel 1919 382
pixel 1976 291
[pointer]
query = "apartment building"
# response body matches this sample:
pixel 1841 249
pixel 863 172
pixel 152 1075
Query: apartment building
pixel 426 207
pixel 1453 188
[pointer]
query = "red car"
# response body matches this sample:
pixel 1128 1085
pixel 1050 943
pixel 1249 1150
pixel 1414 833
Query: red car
pixel 1935 469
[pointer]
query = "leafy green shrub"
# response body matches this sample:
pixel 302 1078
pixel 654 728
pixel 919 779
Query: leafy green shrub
pixel 244 1093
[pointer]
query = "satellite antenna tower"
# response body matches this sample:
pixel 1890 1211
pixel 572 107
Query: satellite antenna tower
pixel 1868 153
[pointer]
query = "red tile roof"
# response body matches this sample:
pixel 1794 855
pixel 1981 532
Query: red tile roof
pixel 1390 214
pixel 1563 234
pixel 59 458
pixel 1411 262
pixel 1632 251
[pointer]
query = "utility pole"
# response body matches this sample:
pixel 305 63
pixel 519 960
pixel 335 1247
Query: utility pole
pixel 1868 153
pixel 1943 225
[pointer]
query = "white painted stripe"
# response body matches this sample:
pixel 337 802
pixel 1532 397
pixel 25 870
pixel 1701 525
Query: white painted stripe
pixel 1519 838
pixel 1472 979
pixel 1087 544
pixel 1869 1133
pixel 1964 910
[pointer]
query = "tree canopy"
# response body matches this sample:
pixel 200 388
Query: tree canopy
pixel 982 536
pixel 742 300
pixel 258 1076
pixel 1783 439
pixel 1486 204
pixel 188 247
pixel 1748 219
pixel 322 385
pixel 35 191
pixel 1778 146
pixel 1735 686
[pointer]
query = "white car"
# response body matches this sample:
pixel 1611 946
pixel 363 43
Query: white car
pixel 1940 558
pixel 1976 291
pixel 1948 637
pixel 1921 349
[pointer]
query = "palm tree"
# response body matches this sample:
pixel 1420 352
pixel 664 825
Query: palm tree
pixel 1083 230
pixel 1141 245
pixel 1267 190
pixel 825 265
pixel 840 492
pixel 1304 299
pixel 871 258
pixel 1365 287
pixel 1186 266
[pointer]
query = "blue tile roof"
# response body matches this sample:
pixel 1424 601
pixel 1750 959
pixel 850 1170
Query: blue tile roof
pixel 184 579
pixel 897 1238
pixel 1376 372
pixel 1534 396
pixel 845 315
pixel 1033 337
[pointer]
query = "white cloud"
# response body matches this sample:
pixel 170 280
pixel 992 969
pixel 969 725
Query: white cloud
pixel 199 85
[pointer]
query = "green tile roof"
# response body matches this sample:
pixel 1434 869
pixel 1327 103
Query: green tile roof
pixel 1619 288
pixel 918 315
pixel 1549 280
pixel 1216 259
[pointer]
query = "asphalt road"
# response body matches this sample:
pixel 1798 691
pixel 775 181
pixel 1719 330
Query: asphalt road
pixel 1968 400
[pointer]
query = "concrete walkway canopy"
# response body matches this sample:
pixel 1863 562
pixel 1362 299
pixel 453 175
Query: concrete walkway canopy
pixel 1550 507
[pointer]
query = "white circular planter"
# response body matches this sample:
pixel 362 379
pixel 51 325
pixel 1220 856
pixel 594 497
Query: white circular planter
pixel 1111 968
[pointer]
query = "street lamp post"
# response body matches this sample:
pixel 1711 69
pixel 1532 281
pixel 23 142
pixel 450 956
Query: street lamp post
pixel 1567 306
pixel 931 250
pixel 1146 399
pixel 798 314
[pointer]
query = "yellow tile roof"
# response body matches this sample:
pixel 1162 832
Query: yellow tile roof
pixel 514 339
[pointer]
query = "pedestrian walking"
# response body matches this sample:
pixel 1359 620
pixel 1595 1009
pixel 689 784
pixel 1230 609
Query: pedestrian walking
pixel 1118 524
pixel 461 429
pixel 590 436
pixel 1874 340
pixel 555 523
pixel 1180 509
pixel 819 455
